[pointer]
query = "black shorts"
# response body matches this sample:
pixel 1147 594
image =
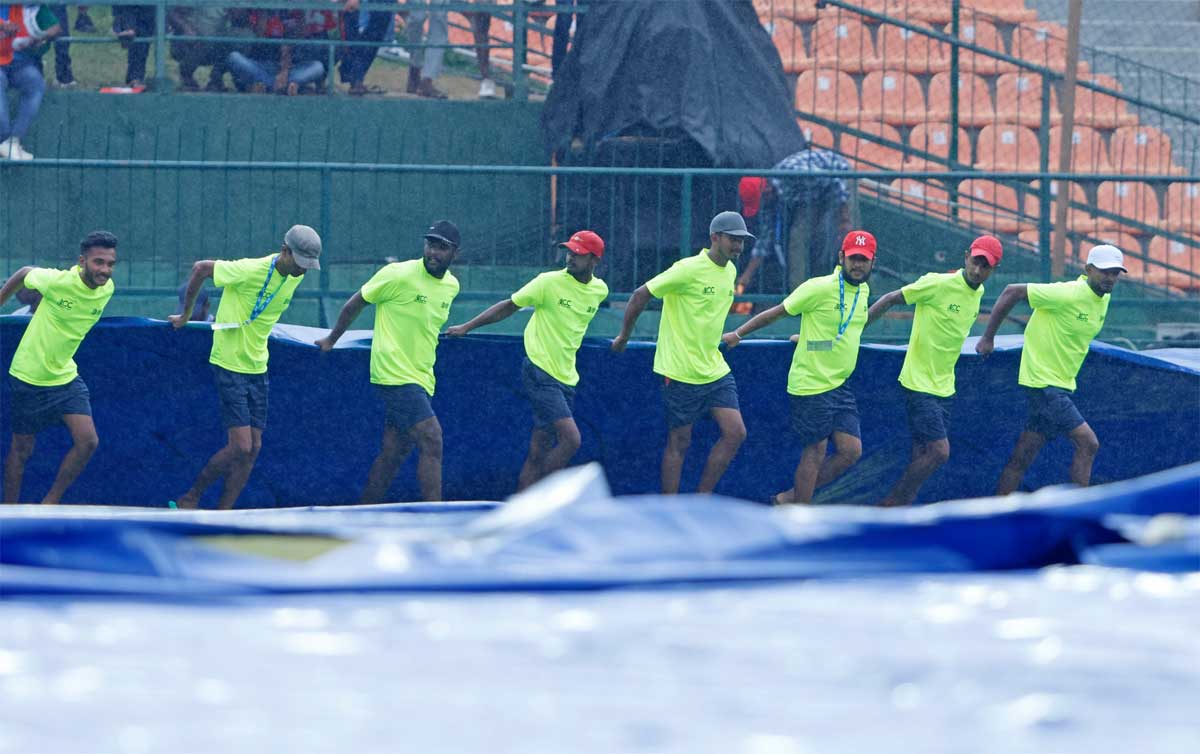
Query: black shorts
pixel 404 406
pixel 1051 411
pixel 816 417
pixel 928 416
pixel 35 408
pixel 551 399
pixel 243 398
pixel 686 402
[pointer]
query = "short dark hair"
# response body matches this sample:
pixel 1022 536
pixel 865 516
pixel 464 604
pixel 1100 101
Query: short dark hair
pixel 97 239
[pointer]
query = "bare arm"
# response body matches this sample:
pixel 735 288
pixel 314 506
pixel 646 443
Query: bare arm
pixel 633 310
pixel 1008 299
pixel 14 283
pixel 881 306
pixel 350 311
pixel 494 313
pixel 201 271
pixel 758 321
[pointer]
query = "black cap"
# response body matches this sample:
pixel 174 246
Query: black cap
pixel 445 231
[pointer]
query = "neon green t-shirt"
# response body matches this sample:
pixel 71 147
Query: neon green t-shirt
pixel 696 294
pixel 822 361
pixel 45 355
pixel 244 349
pixel 1066 316
pixel 563 309
pixel 410 308
pixel 946 309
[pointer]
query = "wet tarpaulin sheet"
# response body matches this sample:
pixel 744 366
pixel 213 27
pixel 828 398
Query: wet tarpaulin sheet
pixel 569 533
pixel 703 68
pixel 156 411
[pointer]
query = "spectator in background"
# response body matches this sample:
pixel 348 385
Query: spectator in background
pixel 815 212
pixel 62 50
pixel 24 30
pixel 199 309
pixel 200 21
pixel 280 68
pixel 131 22
pixel 426 63
pixel 356 61
pixel 481 25
pixel 758 207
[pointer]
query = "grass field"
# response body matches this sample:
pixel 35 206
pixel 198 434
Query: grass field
pixel 98 61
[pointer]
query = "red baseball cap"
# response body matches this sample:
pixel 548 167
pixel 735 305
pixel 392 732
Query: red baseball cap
pixel 987 247
pixel 750 189
pixel 859 242
pixel 585 242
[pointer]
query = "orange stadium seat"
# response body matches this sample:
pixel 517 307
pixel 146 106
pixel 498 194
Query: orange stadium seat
pixel 993 206
pixel 934 138
pixel 1183 207
pixel 906 50
pixel 1007 148
pixel 1030 237
pixel 936 12
pixel 841 40
pixel 1185 256
pixel 1100 110
pixel 828 93
pixel 1078 218
pixel 1088 153
pixel 982 33
pixel 893 97
pixel 1045 44
pixel 789 41
pixel 1137 201
pixel 867 154
pixel 1142 150
pixel 815 133
pixel 803 11
pixel 928 196
pixel 1019 99
pixel 1010 11
pixel 974 100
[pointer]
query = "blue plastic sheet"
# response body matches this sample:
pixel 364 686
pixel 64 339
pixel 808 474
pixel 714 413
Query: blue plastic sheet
pixel 156 413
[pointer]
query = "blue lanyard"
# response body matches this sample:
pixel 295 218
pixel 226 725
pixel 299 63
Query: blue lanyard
pixel 842 305
pixel 263 300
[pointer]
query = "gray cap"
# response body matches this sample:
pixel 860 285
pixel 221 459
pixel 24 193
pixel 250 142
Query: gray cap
pixel 305 245
pixel 731 224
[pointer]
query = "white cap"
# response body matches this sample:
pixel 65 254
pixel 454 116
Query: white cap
pixel 1106 257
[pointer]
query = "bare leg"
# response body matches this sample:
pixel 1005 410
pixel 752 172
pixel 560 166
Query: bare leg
pixel 392 451
pixel 1029 444
pixel 847 451
pixel 566 432
pixel 805 479
pixel 733 434
pixel 927 458
pixel 14 466
pixel 238 447
pixel 239 472
pixel 85 442
pixel 428 436
pixel 540 443
pixel 678 442
pixel 1086 447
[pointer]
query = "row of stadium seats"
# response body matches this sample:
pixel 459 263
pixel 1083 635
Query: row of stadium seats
pixel 929 11
pixel 899 98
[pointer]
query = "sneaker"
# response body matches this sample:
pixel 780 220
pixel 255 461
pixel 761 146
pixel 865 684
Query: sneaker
pixel 487 89
pixel 5 149
pixel 16 151
pixel 69 84
pixel 395 53
pixel 428 90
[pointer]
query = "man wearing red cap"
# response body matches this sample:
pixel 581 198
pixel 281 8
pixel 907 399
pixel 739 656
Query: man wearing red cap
pixel 564 303
pixel 947 305
pixel 758 208
pixel 1066 317
pixel 822 406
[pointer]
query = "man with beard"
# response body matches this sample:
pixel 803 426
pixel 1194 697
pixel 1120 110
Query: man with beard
pixel 256 292
pixel 412 301
pixel 697 292
pixel 822 406
pixel 1066 317
pixel 44 382
pixel 947 305
pixel 564 303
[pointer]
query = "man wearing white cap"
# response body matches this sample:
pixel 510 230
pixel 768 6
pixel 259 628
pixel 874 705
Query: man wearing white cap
pixel 1066 317
pixel 256 292
pixel 697 292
